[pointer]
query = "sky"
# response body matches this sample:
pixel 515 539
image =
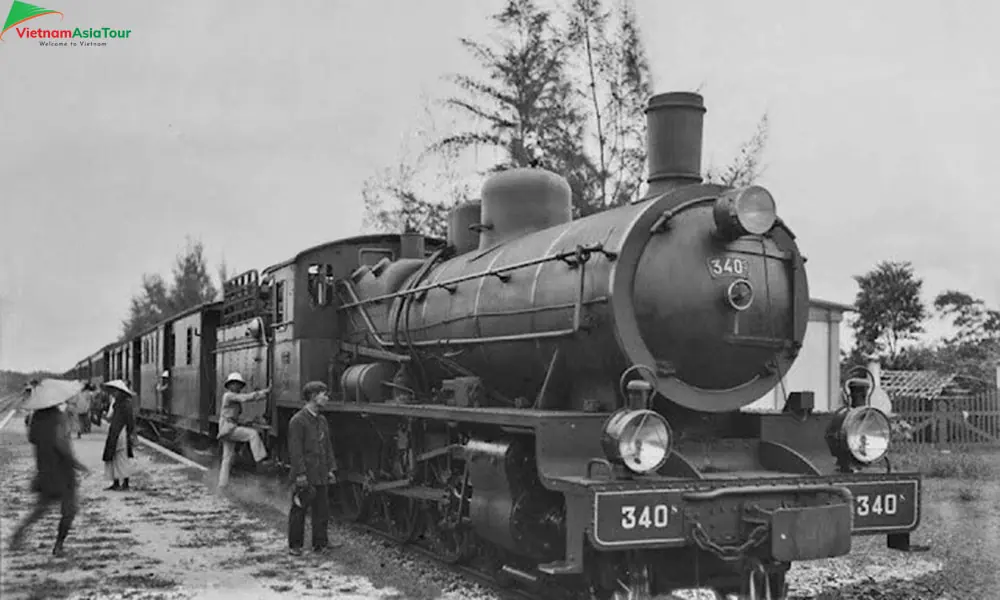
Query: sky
pixel 253 129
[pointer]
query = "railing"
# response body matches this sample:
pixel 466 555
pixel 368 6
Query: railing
pixel 951 419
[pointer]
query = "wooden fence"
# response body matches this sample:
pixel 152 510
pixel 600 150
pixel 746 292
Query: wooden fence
pixel 951 419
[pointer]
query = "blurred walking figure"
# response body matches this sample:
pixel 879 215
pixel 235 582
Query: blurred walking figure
pixel 313 470
pixel 230 431
pixel 118 457
pixel 55 480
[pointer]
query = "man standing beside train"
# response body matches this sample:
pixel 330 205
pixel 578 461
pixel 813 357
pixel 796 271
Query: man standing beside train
pixel 313 468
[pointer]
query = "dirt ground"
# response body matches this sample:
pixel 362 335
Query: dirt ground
pixel 173 538
pixel 168 538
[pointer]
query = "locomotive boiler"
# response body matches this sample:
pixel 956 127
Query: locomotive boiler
pixel 552 311
pixel 584 377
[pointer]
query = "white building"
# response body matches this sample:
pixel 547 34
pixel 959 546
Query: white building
pixel 817 368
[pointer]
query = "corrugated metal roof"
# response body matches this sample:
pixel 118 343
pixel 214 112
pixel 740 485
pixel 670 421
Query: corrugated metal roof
pixel 915 384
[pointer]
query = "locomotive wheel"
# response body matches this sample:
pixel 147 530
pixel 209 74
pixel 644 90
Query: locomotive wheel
pixel 451 546
pixel 451 543
pixel 399 514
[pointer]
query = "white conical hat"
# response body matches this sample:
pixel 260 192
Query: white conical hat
pixel 118 384
pixel 51 392
pixel 165 374
pixel 234 376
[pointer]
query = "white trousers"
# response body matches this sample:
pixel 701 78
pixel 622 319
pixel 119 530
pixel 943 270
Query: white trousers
pixel 240 434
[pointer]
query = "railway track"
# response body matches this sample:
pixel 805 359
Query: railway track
pixel 7 402
pixel 7 408
pixel 273 480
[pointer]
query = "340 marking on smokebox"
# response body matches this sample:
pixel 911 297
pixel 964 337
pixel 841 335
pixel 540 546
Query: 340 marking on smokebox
pixel 728 265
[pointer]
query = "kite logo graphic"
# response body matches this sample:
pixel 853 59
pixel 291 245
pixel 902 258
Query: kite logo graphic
pixel 22 11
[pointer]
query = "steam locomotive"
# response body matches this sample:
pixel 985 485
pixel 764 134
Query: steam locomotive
pixel 556 400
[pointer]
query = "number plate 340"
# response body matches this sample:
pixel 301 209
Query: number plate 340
pixel 636 518
pixel 728 266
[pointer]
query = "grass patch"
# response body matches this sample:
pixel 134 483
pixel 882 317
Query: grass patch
pixel 144 581
pixel 968 493
pixel 953 465
pixel 50 588
pixel 103 540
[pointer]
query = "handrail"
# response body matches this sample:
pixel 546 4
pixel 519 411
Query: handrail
pixel 516 337
pixel 582 253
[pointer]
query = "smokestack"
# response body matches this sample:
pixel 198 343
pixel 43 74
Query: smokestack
pixel 673 139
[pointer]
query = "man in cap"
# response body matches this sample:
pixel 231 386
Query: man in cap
pixel 163 391
pixel 230 431
pixel 55 480
pixel 313 469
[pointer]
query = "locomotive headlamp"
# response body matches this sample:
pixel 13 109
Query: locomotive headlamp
pixel 638 439
pixel 745 211
pixel 859 435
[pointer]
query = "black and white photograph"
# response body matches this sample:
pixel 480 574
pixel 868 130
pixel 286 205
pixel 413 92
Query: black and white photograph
pixel 499 299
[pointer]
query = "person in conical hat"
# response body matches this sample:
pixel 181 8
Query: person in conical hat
pixel 55 460
pixel 119 456
pixel 230 431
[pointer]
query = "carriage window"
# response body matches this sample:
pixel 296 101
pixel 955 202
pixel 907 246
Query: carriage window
pixel 279 303
pixel 320 284
pixel 190 344
pixel 371 256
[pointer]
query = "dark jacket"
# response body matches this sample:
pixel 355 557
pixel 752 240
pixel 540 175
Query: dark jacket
pixel 310 447
pixel 123 417
pixel 54 458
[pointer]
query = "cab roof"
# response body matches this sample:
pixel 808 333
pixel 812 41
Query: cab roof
pixel 373 238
